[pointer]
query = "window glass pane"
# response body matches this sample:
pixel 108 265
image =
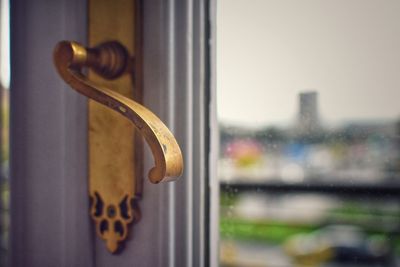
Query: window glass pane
pixel 309 163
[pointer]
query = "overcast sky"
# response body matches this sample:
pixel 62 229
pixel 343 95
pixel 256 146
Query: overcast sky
pixel 270 50
pixel 4 44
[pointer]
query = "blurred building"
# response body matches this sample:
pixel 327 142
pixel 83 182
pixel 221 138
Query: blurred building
pixel 308 120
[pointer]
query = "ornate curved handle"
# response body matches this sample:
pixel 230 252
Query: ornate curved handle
pixel 111 60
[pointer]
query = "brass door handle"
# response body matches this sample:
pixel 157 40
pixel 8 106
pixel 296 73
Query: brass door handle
pixel 110 60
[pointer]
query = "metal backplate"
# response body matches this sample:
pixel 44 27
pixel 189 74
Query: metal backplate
pixel 114 173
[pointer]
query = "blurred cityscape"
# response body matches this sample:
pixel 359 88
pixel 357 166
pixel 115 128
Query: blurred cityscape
pixel 261 226
pixel 351 152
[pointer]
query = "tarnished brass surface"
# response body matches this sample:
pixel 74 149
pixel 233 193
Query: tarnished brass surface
pixel 114 156
pixel 114 165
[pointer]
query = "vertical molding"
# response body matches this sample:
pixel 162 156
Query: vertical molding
pixel 171 84
pixel 179 54
pixel 183 114
pixel 200 132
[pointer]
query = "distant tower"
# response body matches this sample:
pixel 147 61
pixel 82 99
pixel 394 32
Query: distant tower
pixel 308 121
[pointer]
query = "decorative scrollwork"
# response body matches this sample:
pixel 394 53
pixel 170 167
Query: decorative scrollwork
pixel 112 219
